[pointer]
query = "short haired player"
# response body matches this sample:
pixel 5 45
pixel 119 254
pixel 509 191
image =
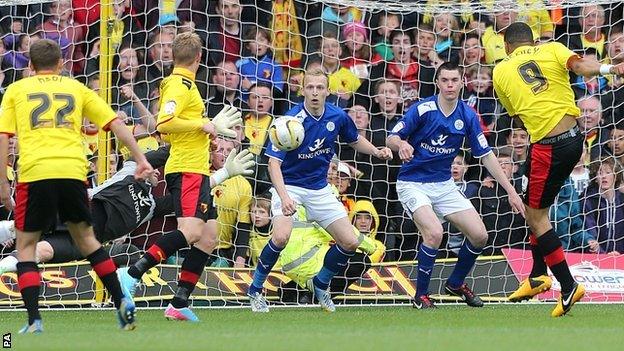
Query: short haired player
pixel 428 138
pixel 300 177
pixel 533 85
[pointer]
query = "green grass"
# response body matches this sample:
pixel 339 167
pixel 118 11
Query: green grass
pixel 451 327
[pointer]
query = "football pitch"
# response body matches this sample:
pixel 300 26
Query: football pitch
pixel 450 327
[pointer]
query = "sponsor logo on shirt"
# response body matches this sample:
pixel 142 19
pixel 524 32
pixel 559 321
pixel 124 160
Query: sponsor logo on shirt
pixel 436 146
pixel 318 143
pixel 441 140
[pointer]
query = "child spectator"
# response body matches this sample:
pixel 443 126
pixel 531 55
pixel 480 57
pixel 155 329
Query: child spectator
pixel 365 219
pixel 357 50
pixel 260 226
pixel 603 207
pixel 342 82
pixel 446 29
pixel 387 23
pixel 471 52
pixel 258 64
pixel 480 95
pixel 61 24
pixel 566 215
pixel 518 141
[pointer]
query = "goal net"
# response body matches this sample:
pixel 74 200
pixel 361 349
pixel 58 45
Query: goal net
pixel 380 57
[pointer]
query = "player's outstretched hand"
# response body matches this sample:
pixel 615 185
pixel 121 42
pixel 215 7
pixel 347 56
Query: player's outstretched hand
pixel 289 207
pixel 5 196
pixel 225 120
pixel 516 203
pixel 406 151
pixel 384 153
pixel 145 171
pixel 241 163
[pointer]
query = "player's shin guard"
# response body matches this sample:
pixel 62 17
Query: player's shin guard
pixel 550 245
pixel 335 263
pixel 106 270
pixel 28 281
pixel 426 258
pixel 465 261
pixel 164 247
pixel 192 268
pixel 539 266
pixel 267 260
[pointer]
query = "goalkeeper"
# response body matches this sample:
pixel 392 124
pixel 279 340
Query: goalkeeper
pixel 118 206
pixel 303 256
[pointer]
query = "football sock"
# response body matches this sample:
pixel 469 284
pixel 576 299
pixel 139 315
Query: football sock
pixel 539 266
pixel 192 268
pixel 426 258
pixel 266 261
pixel 335 262
pixel 551 248
pixel 164 247
pixel 28 281
pixel 106 270
pixel 465 261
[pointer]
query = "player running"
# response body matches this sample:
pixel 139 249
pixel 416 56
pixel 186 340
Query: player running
pixel 428 138
pixel 45 112
pixel 533 85
pixel 300 177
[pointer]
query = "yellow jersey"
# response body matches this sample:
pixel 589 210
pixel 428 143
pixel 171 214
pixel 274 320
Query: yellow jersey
pixel 46 113
pixel 232 199
pixel 533 84
pixel 257 131
pixel 180 99
pixel 257 242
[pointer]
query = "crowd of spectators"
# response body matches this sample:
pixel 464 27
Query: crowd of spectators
pixel 378 64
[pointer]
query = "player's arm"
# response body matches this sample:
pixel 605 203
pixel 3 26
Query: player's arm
pixel 583 66
pixel 364 146
pixel 5 186
pixel 289 207
pixel 144 170
pixel 7 130
pixel 491 164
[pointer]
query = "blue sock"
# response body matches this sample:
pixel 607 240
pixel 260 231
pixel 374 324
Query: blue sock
pixel 426 259
pixel 267 260
pixel 465 260
pixel 335 263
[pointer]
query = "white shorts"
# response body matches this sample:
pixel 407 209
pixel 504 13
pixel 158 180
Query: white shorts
pixel 445 198
pixel 322 205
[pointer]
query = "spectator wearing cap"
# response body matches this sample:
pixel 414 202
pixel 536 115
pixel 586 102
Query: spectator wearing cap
pixel 342 181
pixel 357 53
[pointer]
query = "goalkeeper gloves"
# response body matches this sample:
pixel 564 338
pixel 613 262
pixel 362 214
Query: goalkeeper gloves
pixel 226 119
pixel 235 164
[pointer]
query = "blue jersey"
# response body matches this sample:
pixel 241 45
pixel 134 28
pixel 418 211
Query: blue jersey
pixel 307 165
pixel 437 139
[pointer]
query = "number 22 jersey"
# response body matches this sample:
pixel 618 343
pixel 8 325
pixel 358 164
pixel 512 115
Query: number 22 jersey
pixel 46 113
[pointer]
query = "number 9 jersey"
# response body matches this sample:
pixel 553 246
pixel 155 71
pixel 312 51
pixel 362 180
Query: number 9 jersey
pixel 533 83
pixel 46 113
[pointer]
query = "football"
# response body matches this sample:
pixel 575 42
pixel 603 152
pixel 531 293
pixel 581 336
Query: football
pixel 286 133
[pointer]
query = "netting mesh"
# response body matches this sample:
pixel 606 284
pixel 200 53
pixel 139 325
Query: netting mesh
pixel 381 57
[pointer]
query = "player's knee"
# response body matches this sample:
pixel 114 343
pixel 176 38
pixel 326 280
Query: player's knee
pixel 192 235
pixel 432 237
pixel 480 240
pixel 45 252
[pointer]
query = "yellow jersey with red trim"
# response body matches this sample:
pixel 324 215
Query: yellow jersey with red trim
pixel 46 113
pixel 180 99
pixel 533 84
pixel 232 199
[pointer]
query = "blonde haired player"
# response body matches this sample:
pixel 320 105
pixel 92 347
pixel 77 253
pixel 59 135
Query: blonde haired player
pixel 299 177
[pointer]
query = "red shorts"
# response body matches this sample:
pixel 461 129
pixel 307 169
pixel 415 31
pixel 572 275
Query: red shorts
pixel 549 163
pixel 191 195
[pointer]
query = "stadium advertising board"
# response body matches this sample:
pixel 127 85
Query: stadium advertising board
pixel 602 275
pixel 392 282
